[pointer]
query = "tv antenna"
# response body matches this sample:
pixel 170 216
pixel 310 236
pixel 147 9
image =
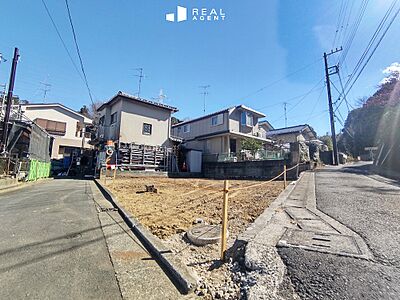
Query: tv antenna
pixel 204 93
pixel 161 97
pixel 140 76
pixel 46 88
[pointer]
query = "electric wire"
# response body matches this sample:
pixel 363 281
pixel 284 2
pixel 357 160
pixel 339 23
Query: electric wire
pixel 61 39
pixel 78 52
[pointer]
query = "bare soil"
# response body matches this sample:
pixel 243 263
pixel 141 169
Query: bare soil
pixel 179 203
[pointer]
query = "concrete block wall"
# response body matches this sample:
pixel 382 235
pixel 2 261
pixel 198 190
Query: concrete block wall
pixel 263 169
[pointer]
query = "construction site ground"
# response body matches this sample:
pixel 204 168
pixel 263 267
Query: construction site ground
pixel 179 203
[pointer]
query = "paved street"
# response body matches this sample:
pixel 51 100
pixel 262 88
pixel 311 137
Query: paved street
pixel 52 246
pixel 370 206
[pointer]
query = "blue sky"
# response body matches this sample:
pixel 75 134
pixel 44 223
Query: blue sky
pixel 258 44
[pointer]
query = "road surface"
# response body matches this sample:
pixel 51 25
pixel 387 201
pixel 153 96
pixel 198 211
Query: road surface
pixel 52 245
pixel 370 206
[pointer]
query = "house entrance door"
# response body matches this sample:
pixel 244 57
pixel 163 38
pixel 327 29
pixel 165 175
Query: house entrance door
pixel 232 145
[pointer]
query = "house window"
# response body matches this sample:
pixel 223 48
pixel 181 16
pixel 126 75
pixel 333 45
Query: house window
pixel 52 127
pixel 147 128
pixel 217 120
pixel 247 119
pixel 186 128
pixel 101 120
pixel 113 118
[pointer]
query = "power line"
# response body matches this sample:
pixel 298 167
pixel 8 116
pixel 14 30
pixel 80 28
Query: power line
pixel 281 79
pixel 78 52
pixel 373 51
pixel 353 31
pixel 62 40
pixel 301 100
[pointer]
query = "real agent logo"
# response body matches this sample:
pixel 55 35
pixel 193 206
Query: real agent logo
pixel 197 14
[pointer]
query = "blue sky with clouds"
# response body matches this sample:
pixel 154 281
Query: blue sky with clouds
pixel 242 58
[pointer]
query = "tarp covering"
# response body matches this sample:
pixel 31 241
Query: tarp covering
pixel 38 169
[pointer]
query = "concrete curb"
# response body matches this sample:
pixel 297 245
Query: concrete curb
pixel 263 219
pixel 175 269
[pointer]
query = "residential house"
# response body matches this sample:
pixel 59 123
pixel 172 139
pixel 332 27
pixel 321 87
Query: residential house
pixel 68 128
pixel 130 119
pixel 298 133
pixel 221 132
pixel 265 126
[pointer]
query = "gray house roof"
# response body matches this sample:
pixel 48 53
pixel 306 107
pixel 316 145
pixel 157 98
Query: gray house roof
pixel 259 114
pixel 55 104
pixel 137 99
pixel 305 129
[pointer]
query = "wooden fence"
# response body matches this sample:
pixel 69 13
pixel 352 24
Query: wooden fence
pixel 134 156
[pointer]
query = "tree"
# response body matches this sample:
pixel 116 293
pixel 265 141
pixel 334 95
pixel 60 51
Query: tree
pixel 85 111
pixel 377 119
pixel 175 121
pixel 252 145
pixel 327 140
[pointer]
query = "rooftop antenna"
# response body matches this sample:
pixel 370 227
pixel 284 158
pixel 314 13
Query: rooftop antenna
pixel 46 88
pixel 2 59
pixel 161 97
pixel 141 76
pixel 204 93
pixel 285 111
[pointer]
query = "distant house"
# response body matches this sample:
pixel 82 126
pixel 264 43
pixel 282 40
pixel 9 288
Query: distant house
pixel 129 119
pixel 221 132
pixel 298 133
pixel 67 127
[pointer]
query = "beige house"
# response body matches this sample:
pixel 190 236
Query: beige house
pixel 66 126
pixel 129 119
pixel 298 133
pixel 221 132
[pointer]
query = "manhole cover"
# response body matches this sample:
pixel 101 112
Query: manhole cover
pixel 203 234
pixel 325 242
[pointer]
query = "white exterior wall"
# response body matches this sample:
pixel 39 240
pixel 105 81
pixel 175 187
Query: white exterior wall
pixel 236 126
pixel 134 114
pixel 59 114
pixel 201 127
pixel 130 118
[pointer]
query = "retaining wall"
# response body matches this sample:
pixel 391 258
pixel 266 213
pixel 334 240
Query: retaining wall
pixel 263 169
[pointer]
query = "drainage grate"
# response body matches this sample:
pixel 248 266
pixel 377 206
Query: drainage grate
pixel 326 242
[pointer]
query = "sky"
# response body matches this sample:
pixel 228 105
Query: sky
pixel 245 58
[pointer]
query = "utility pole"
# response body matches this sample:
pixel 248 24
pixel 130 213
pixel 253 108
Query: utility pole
pixel 204 93
pixel 9 99
pixel 328 72
pixel 285 110
pixel 45 89
pixel 140 75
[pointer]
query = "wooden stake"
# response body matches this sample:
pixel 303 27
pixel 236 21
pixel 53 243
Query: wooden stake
pixel 224 220
pixel 114 175
pixel 284 176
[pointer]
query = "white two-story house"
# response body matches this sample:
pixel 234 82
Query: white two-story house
pixel 221 132
pixel 129 119
pixel 66 126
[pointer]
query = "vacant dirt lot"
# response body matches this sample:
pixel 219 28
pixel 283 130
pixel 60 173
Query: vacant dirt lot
pixel 179 202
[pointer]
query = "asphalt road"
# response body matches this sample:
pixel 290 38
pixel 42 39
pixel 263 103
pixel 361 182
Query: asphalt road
pixel 369 206
pixel 52 245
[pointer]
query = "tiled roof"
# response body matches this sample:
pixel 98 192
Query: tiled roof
pixel 138 99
